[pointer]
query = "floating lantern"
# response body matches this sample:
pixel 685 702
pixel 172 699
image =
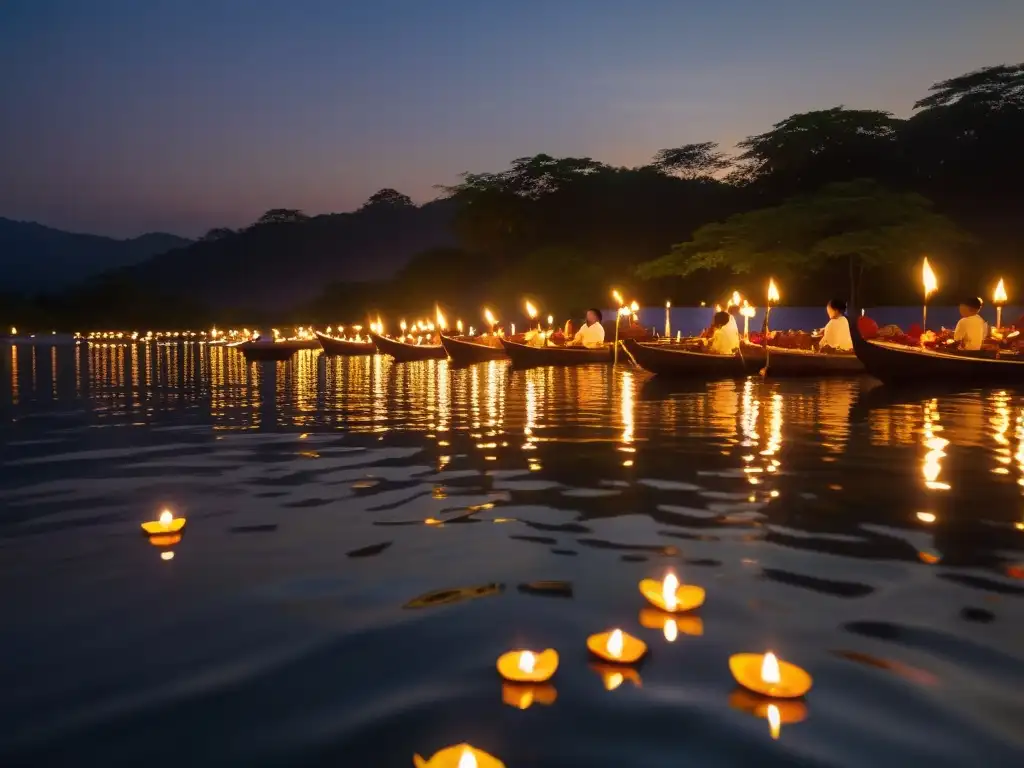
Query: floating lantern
pixel 459 756
pixel 999 298
pixel 769 676
pixel 617 647
pixel 167 524
pixel 671 624
pixel 527 666
pixel 614 675
pixel 930 286
pixel 525 695
pixel 929 556
pixel 669 595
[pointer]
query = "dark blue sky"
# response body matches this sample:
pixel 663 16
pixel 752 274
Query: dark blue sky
pixel 124 116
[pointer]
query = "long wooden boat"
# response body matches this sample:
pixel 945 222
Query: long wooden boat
pixel 464 351
pixel 345 347
pixel 899 364
pixel 800 362
pixel 683 360
pixel 525 356
pixel 405 353
pixel 265 350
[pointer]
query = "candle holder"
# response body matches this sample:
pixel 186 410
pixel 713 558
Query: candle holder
pixel 671 596
pixel 459 756
pixel 525 695
pixel 617 647
pixel 769 676
pixel 167 524
pixel 614 675
pixel 527 666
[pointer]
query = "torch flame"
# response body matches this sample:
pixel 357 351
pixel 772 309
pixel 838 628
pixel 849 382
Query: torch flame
pixel 531 311
pixel 467 760
pixel 774 720
pixel 458 326
pixel 773 292
pixel 618 297
pixel 668 591
pixel 489 317
pixel 442 323
pixel 527 661
pixel 999 297
pixel 735 298
pixel 634 306
pixel 615 643
pixel 770 669
pixel 928 279
pixel 551 320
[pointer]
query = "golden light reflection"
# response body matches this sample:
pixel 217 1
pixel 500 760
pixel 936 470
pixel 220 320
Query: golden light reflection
pixel 628 406
pixel 931 467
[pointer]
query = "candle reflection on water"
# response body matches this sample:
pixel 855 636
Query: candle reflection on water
pixel 932 464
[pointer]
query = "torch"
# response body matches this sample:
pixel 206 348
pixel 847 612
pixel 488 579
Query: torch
pixel 999 298
pixel 930 286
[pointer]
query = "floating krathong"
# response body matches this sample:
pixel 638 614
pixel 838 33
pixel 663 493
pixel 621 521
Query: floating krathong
pixel 459 756
pixel 669 595
pixel 527 666
pixel 617 647
pixel 167 524
pixel 769 676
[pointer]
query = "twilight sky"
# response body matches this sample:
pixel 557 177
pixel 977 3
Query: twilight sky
pixel 125 116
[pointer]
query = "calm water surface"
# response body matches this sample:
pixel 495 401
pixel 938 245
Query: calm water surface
pixel 365 539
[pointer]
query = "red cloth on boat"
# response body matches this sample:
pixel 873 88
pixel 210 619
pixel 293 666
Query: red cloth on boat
pixel 868 328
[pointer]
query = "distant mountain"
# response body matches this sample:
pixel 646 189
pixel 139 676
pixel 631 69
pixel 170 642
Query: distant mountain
pixel 38 259
pixel 284 261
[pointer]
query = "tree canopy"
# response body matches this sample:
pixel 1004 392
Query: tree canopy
pixel 388 197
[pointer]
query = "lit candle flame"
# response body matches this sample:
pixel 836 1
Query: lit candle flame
pixel 467 760
pixel 531 311
pixel 999 297
pixel 774 720
pixel 527 661
pixel 928 279
pixel 615 643
pixel 770 669
pixel 773 292
pixel 166 518
pixel 668 305
pixel 668 591
pixel 671 630
pixel 489 317
pixel 618 297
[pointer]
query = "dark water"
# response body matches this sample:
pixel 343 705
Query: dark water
pixel 325 496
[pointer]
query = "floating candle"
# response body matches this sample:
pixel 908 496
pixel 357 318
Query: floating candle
pixel 525 695
pixel 167 523
pixel 769 676
pixel 617 647
pixel 669 595
pixel 459 756
pixel 652 618
pixel 614 675
pixel 528 667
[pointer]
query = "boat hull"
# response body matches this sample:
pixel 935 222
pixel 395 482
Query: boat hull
pixel 677 361
pixel 894 364
pixel 525 356
pixel 796 362
pixel 465 352
pixel 406 353
pixel 332 346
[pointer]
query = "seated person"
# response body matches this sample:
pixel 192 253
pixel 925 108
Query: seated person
pixel 971 331
pixel 837 333
pixel 725 340
pixel 591 334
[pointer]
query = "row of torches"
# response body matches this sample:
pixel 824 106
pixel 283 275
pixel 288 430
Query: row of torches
pixel 774 685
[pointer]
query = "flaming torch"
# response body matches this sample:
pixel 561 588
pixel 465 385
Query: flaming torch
pixel 999 298
pixel 930 286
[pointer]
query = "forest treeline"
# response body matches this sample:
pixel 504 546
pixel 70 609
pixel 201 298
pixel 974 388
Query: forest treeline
pixel 836 201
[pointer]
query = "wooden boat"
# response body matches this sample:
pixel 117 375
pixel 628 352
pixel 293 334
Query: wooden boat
pixel 525 356
pixel 804 362
pixel 332 346
pixel 265 350
pixel 899 364
pixel 404 353
pixel 684 360
pixel 464 351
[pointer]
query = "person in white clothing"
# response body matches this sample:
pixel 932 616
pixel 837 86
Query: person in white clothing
pixel 837 333
pixel 591 334
pixel 971 330
pixel 733 310
pixel 725 340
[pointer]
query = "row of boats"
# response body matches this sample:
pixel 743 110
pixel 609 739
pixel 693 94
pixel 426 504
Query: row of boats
pixel 892 363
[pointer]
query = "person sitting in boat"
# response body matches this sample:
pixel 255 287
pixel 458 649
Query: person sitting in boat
pixel 971 330
pixel 725 340
pixel 837 333
pixel 591 334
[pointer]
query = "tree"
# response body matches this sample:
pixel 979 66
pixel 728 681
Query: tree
pixel 217 233
pixel 859 222
pixel 282 216
pixel 691 161
pixel 995 88
pixel 388 198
